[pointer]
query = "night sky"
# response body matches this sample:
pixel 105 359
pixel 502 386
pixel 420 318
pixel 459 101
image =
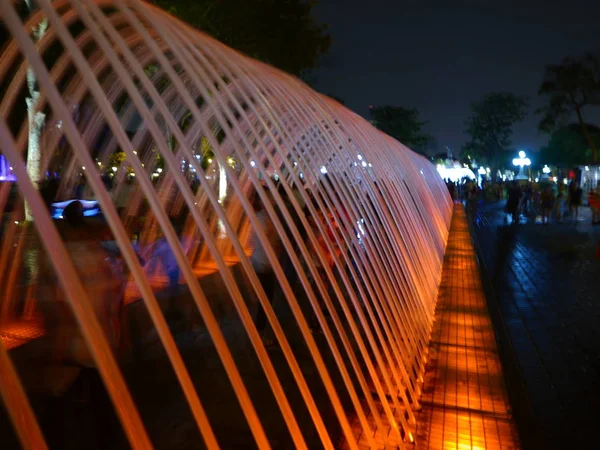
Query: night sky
pixel 439 56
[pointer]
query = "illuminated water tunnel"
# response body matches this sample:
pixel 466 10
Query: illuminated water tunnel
pixel 191 159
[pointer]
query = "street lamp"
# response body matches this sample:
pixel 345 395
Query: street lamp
pixel 521 162
pixel 546 172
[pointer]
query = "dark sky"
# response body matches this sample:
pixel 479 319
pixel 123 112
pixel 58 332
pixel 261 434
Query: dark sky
pixel 439 56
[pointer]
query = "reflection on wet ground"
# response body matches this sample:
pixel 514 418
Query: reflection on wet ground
pixel 545 285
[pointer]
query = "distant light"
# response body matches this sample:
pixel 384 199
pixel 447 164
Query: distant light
pixel 134 152
pixel 488 170
pixel 364 164
pixel 360 228
pixel 587 168
pixel 323 169
pixel 301 175
pixel 16 222
pixel 537 180
pixel 82 167
pixel 132 174
pixel 521 161
pixel 370 165
pixel 209 160
pixel 10 168
pixel 253 164
pixel 295 163
pixel 565 181
pixel 99 163
pixel 113 168
pixel 546 169
pixel 359 156
pixel 481 171
pixel 555 179
pixel 159 170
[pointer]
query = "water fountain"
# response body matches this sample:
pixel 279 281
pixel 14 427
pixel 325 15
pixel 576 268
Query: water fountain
pixel 363 219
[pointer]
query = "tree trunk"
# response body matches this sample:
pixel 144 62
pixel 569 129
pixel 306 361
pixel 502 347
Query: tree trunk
pixel 587 135
pixel 36 118
pixel 36 124
pixel 36 121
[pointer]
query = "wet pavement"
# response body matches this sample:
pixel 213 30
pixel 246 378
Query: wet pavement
pixel 543 286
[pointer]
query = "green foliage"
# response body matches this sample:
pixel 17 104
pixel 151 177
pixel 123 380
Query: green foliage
pixel 280 32
pixel 568 87
pixel 491 126
pixel 568 146
pixel 401 124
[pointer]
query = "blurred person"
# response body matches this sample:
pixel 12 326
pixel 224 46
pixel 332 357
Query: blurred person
pixel 547 200
pixel 560 203
pixel 575 197
pixel 70 375
pixel 451 189
pixel 594 202
pixel 261 264
pixel 513 202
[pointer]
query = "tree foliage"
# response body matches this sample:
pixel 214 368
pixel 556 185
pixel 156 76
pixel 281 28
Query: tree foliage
pixel 569 87
pixel 280 32
pixel 490 127
pixel 568 146
pixel 402 124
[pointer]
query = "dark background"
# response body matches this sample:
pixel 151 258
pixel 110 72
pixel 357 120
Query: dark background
pixel 439 56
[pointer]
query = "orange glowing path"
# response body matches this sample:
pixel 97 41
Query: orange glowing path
pixel 465 405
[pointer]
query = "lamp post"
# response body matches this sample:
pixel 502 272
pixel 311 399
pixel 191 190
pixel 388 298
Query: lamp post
pixel 546 172
pixel 521 162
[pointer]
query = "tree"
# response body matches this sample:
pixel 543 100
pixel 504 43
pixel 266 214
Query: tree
pixel 279 32
pixel 569 87
pixel 491 126
pixel 36 118
pixel 402 124
pixel 568 146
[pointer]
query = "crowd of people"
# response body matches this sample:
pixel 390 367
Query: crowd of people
pixel 547 201
pixel 551 203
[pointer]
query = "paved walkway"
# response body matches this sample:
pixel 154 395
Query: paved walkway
pixel 545 281
pixel 465 405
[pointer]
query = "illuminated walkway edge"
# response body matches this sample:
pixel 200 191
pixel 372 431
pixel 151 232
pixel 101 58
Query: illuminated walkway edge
pixel 465 403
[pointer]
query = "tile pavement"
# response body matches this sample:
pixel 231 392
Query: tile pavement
pixel 545 280
pixel 465 404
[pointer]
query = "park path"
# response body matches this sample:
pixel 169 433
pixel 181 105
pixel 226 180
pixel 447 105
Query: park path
pixel 544 289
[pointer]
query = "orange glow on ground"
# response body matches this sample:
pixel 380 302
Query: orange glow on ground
pixel 465 405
